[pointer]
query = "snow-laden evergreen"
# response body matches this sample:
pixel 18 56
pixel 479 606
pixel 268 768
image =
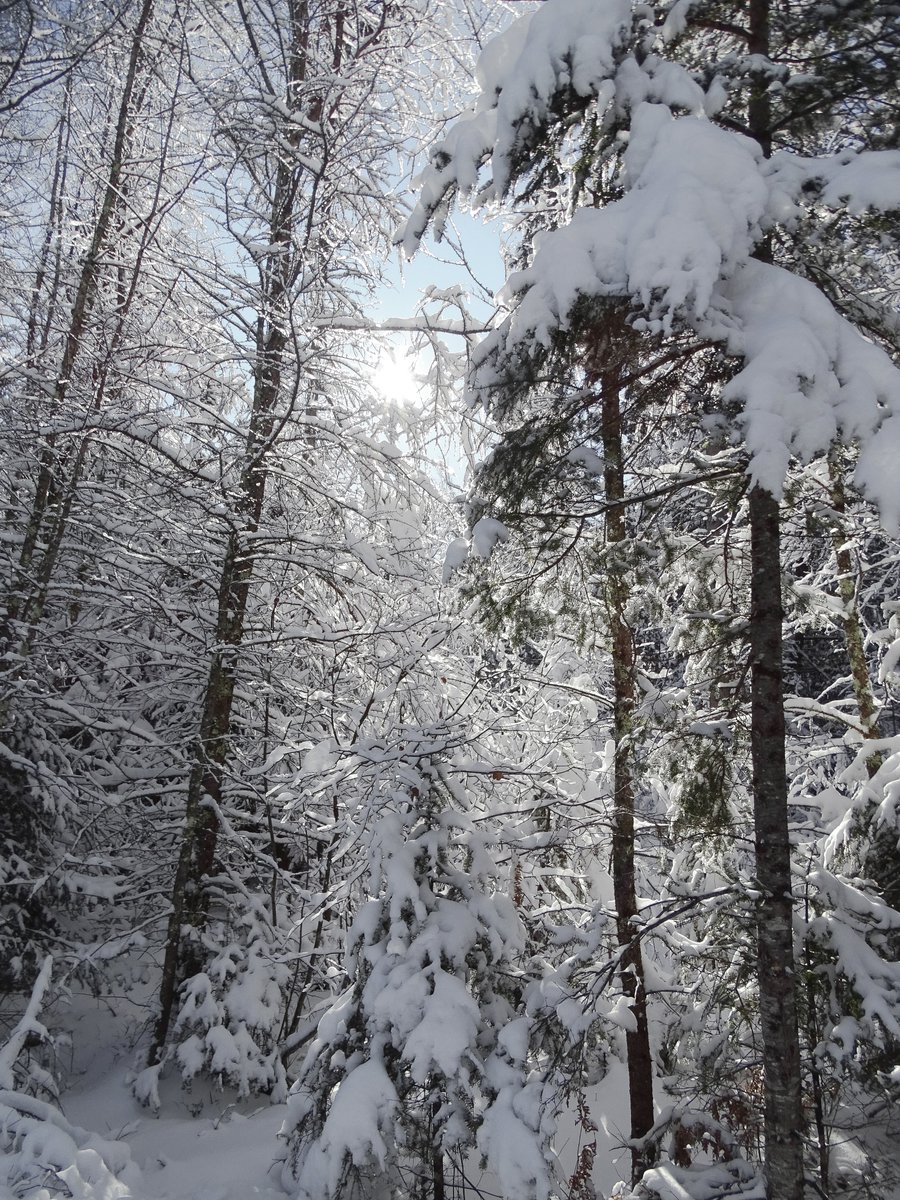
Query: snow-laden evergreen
pixel 666 189
pixel 428 1043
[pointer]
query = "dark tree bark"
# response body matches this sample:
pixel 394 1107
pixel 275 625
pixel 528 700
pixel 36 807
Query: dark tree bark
pixel 775 942
pixel 776 970
pixel 608 356
pixel 200 836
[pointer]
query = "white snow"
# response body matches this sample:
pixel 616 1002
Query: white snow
pixel 486 534
pixel 679 246
pixel 353 1128
pixel 225 1154
pixel 589 459
pixel 855 180
pixel 703 1182
pixel 448 1027
pixel 456 555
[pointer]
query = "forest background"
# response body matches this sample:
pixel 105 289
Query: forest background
pixel 493 790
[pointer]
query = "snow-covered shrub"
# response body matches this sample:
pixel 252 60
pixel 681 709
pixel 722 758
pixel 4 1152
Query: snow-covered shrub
pixel 666 1181
pixel 852 926
pixel 425 1056
pixel 41 1153
pixel 230 1016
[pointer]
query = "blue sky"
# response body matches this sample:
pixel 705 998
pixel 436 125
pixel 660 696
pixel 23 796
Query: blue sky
pixel 433 266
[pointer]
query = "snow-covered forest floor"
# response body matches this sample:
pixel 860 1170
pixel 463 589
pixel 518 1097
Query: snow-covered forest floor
pixel 204 1144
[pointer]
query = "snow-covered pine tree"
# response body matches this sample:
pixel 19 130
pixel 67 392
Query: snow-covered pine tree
pixel 690 245
pixel 424 1057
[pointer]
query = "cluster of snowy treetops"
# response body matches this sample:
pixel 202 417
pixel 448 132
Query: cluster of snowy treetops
pixel 425 842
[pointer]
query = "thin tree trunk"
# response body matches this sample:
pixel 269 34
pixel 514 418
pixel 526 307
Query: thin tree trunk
pixel 776 970
pixel 199 843
pixel 438 1185
pixel 851 623
pixel 607 355
pixel 881 857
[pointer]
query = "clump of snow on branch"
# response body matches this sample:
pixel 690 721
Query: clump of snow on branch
pixel 575 44
pixel 858 180
pixel 455 557
pixel 808 377
pixel 669 1182
pixel 680 245
pixel 666 244
pixel 487 534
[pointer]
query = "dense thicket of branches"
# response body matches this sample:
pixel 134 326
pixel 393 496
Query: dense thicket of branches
pixel 424 827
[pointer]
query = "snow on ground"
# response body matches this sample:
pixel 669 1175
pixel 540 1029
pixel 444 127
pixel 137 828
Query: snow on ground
pixel 203 1145
pixel 223 1154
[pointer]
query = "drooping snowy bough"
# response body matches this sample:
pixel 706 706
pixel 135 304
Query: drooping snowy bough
pixel 678 245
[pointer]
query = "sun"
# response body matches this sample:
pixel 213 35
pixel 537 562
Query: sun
pixel 395 380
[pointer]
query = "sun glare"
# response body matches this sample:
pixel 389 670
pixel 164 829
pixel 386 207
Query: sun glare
pixel 395 380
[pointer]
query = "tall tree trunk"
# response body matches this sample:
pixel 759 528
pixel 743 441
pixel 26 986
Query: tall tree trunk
pixel 53 481
pixel 776 970
pixel 775 941
pixel 197 854
pixel 200 835
pixel 607 355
